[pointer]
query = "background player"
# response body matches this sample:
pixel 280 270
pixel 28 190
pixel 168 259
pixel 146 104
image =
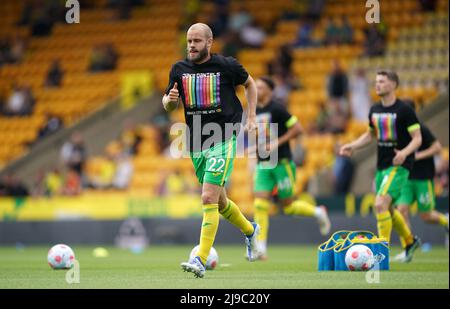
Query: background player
pixel 206 84
pixel 282 175
pixel 420 186
pixel 397 130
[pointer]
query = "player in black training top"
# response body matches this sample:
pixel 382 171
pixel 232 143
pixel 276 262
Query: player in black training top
pixel 420 186
pixel 206 84
pixel 281 174
pixel 397 130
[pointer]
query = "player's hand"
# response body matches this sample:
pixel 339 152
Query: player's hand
pixel 399 157
pixel 346 150
pixel 251 124
pixel 173 93
pixel 419 156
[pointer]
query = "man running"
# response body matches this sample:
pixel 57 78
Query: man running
pixel 206 84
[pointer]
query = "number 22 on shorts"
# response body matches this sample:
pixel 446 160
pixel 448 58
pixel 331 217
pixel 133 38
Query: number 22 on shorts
pixel 216 165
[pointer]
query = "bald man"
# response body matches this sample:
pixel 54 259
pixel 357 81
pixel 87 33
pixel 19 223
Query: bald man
pixel 206 84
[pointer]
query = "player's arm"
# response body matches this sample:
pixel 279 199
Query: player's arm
pixel 250 95
pixel 170 100
pixel 294 130
pixel 364 140
pixel 414 144
pixel 429 139
pixel 434 149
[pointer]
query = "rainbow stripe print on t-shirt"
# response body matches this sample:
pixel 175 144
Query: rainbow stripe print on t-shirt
pixel 385 126
pixel 201 90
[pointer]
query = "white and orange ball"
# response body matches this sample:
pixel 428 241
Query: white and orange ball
pixel 359 258
pixel 213 257
pixel 60 257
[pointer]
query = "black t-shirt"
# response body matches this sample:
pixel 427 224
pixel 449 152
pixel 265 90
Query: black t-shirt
pixel 424 169
pixel 275 113
pixel 392 125
pixel 208 94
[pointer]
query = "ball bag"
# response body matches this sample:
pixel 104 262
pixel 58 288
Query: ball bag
pixel 331 254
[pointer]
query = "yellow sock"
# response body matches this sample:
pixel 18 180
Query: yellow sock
pixel 300 208
pixel 384 224
pixel 402 229
pixel 402 240
pixel 210 224
pixel 234 215
pixel 443 220
pixel 262 217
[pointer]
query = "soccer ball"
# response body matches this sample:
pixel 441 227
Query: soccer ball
pixel 213 257
pixel 359 258
pixel 60 257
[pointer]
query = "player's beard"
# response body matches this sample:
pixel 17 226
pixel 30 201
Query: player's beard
pixel 260 99
pixel 382 93
pixel 202 54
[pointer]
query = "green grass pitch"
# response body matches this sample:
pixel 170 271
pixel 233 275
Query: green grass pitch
pixel 291 267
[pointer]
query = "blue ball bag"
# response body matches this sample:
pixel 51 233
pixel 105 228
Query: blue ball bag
pixel 326 250
pixel 332 252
